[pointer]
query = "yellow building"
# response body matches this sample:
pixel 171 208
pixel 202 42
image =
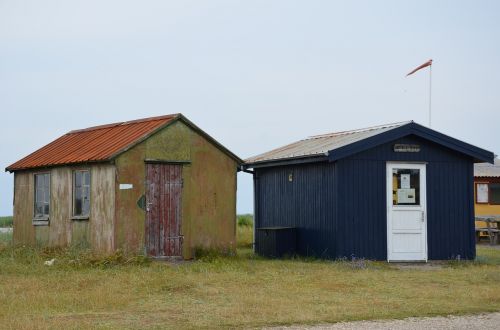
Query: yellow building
pixel 486 190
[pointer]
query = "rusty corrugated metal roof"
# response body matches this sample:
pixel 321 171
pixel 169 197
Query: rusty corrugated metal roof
pixel 93 144
pixel 487 170
pixel 320 145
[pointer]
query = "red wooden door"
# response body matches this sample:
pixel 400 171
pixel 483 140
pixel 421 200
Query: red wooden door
pixel 163 210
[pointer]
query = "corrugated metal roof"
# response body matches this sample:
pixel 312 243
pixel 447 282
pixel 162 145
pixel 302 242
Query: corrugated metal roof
pixel 319 145
pixel 93 144
pixel 487 169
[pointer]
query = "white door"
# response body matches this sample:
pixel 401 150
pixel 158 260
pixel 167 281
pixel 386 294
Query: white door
pixel 406 212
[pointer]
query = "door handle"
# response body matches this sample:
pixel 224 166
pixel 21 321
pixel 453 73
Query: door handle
pixel 423 216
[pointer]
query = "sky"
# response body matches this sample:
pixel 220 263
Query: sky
pixel 253 74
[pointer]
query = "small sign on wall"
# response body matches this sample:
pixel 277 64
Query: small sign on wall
pixel 398 147
pixel 126 186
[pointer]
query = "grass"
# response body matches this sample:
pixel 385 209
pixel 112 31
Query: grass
pixel 5 239
pixel 82 290
pixel 6 221
pixel 244 230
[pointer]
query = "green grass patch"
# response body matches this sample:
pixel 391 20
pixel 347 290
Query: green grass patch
pixel 245 220
pixel 6 221
pixel 487 255
pixel 5 239
pixel 85 290
pixel 244 231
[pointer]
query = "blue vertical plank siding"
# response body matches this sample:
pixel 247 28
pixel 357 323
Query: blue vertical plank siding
pixel 340 208
pixel 307 203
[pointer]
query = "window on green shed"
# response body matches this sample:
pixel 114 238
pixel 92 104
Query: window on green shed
pixel 81 193
pixel 42 196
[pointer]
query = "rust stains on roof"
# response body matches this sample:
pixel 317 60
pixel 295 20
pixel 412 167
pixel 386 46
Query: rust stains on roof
pixel 93 144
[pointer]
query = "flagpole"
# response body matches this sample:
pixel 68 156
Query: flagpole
pixel 420 67
pixel 430 95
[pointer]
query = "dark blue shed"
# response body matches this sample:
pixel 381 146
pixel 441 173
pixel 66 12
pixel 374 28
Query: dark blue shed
pixel 399 192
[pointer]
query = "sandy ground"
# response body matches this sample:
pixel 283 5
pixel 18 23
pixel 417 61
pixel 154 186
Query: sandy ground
pixel 481 321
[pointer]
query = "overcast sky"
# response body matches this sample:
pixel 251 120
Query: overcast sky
pixel 253 74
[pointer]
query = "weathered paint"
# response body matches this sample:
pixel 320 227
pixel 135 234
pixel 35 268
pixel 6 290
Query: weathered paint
pixel 59 230
pixel 102 207
pixel 208 196
pixel 95 232
pixel 164 210
pixel 210 203
pixel 174 140
pixel 117 219
pixel 24 231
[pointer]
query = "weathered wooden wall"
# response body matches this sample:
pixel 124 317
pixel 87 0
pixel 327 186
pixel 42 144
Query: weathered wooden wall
pixel 24 231
pixel 210 203
pixel 62 230
pixel 208 197
pixel 102 207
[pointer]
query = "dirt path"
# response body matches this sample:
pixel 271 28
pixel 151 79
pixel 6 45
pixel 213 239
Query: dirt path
pixel 482 321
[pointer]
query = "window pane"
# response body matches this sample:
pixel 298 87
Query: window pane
pixel 405 186
pixel 46 195
pixel 42 195
pixel 78 179
pixel 86 201
pixel 78 201
pixel 81 198
pixel 494 193
pixel 482 193
pixel 38 210
pixel 86 176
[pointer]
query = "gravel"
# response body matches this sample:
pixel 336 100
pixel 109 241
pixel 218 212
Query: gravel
pixel 481 321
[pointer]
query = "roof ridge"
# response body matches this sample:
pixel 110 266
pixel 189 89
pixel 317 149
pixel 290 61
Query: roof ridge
pixel 141 120
pixel 319 136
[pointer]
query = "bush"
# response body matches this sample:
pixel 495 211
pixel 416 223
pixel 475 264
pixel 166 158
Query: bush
pixel 245 220
pixel 6 221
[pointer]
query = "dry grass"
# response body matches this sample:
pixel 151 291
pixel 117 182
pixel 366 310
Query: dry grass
pixel 231 292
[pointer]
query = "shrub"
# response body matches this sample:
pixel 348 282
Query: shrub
pixel 6 221
pixel 245 220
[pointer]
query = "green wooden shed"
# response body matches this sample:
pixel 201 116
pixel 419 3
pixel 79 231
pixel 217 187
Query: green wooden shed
pixel 159 186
